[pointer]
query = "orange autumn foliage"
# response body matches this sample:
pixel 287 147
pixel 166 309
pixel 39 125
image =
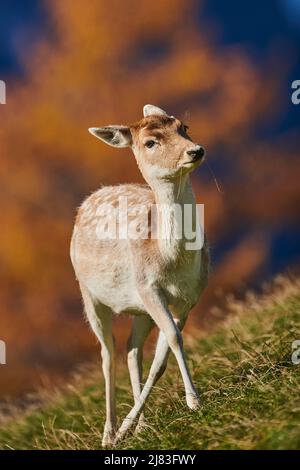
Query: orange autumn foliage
pixel 99 67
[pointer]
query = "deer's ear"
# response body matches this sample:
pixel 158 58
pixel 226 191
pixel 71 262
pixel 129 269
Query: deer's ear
pixel 150 109
pixel 116 136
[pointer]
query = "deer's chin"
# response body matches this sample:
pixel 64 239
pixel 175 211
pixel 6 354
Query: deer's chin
pixel 190 166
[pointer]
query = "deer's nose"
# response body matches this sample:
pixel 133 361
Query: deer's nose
pixel 196 153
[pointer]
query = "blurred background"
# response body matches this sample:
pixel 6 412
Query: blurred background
pixel 224 67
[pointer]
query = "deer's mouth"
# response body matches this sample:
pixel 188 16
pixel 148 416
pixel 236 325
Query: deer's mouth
pixel 194 162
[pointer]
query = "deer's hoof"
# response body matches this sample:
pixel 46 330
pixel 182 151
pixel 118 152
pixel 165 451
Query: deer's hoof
pixel 141 425
pixel 193 402
pixel 108 441
pixel 118 438
pixel 108 438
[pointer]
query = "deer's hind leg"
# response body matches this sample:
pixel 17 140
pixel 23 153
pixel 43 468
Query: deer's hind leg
pixel 141 327
pixel 100 318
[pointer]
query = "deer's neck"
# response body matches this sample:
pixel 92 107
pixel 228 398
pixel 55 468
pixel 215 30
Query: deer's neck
pixel 171 198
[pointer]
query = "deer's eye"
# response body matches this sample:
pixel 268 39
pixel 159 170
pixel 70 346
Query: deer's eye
pixel 150 143
pixel 185 128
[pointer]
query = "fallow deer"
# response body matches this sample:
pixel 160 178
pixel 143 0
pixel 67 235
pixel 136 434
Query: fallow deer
pixel 156 279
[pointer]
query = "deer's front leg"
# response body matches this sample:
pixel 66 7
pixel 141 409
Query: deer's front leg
pixel 169 337
pixel 156 306
pixel 162 352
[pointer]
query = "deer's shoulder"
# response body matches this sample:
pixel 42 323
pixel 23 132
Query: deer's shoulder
pixel 114 196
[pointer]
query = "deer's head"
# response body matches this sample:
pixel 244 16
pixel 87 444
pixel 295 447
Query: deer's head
pixel 160 143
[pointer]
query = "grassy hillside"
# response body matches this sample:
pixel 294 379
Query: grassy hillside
pixel 249 388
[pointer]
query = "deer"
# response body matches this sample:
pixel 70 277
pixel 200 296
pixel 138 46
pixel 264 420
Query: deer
pixel 155 280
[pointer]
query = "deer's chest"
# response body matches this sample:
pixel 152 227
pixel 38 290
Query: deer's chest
pixel 182 284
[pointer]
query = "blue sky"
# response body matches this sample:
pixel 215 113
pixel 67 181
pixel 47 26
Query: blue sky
pixel 21 23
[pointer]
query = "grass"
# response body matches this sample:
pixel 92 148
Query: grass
pixel 243 370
